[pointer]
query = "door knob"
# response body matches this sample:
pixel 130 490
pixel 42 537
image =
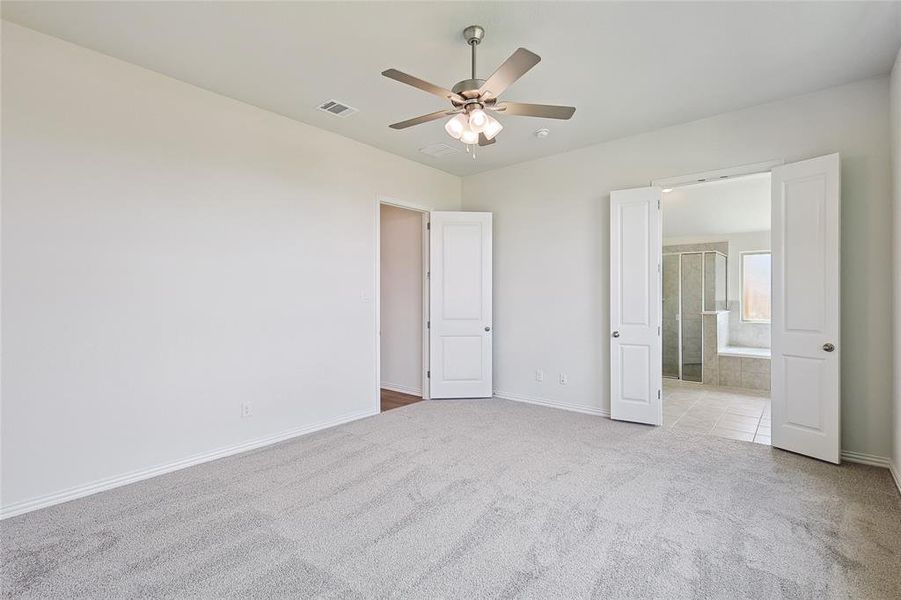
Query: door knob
pixel 488 329
pixel 828 347
pixel 615 334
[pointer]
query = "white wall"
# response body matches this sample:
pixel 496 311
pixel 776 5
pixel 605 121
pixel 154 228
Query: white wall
pixel 551 243
pixel 896 254
pixel 168 254
pixel 718 206
pixel 401 299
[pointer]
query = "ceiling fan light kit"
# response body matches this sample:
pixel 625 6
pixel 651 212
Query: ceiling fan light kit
pixel 472 99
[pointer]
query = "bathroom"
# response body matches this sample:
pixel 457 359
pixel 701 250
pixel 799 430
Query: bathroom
pixel 716 276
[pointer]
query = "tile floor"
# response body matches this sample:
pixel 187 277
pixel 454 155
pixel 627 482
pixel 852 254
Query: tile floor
pixel 735 414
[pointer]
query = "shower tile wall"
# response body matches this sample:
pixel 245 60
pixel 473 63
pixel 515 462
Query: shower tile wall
pixel 715 246
pixel 744 372
pixel 711 357
pixel 742 333
pixel 714 281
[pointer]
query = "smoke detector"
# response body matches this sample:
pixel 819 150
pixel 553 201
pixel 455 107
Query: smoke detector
pixel 542 133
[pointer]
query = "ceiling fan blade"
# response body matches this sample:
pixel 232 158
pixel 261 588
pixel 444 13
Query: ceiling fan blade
pixel 422 119
pixel 484 141
pixel 513 68
pixel 546 111
pixel 423 85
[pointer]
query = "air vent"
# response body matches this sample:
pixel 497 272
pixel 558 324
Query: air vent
pixel 438 150
pixel 337 108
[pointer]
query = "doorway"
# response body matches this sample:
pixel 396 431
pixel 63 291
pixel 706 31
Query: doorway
pixel 447 315
pixel 804 274
pixel 716 307
pixel 403 306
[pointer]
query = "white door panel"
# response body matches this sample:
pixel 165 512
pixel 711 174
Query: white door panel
pixel 806 308
pixel 635 311
pixel 460 305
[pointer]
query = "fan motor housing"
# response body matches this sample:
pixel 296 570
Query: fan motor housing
pixel 468 88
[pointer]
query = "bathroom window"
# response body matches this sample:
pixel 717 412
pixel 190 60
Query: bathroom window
pixel 756 286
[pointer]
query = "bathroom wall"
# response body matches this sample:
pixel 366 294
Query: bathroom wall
pixel 743 333
pixel 740 333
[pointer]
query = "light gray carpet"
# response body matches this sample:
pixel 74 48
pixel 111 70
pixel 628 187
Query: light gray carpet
pixel 475 499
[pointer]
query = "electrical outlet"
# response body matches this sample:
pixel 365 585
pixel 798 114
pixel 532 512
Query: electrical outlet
pixel 246 409
pixel 563 379
pixel 539 375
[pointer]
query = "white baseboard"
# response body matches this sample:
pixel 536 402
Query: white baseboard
pixel 866 459
pixel 875 461
pixel 109 483
pixel 403 389
pixel 588 410
pixel 896 475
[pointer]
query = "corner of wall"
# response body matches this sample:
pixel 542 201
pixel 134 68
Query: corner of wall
pixel 895 117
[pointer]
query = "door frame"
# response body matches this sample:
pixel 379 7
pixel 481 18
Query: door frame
pixel 668 183
pixel 751 169
pixel 377 304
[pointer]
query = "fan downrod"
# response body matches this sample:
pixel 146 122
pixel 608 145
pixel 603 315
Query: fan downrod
pixel 469 88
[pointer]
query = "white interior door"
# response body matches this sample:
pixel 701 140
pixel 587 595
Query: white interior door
pixel 636 369
pixel 806 307
pixel 460 305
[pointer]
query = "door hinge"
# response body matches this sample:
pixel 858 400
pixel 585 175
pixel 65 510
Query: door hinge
pixel 428 225
pixel 428 325
pixel 658 330
pixel 658 394
pixel 658 205
pixel 428 274
pixel 428 374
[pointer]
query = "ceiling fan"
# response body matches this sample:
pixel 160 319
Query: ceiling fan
pixel 472 99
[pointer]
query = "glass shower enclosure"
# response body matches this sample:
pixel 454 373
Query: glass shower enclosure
pixel 694 283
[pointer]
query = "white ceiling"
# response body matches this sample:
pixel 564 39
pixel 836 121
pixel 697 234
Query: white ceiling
pixel 627 67
pixel 718 207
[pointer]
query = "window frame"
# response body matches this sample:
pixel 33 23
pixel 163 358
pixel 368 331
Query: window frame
pixel 741 286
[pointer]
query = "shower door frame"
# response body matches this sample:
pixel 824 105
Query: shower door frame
pixel 703 298
pixel 678 313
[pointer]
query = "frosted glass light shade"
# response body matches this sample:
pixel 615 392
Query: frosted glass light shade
pixel 477 120
pixel 492 127
pixel 470 137
pixel 456 126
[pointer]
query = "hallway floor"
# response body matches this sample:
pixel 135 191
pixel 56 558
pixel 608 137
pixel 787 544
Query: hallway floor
pixel 730 413
pixel 391 399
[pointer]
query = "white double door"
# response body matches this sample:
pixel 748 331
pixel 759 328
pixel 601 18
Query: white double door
pixel 805 307
pixel 460 305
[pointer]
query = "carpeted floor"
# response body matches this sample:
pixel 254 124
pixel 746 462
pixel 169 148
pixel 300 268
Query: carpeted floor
pixel 475 499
